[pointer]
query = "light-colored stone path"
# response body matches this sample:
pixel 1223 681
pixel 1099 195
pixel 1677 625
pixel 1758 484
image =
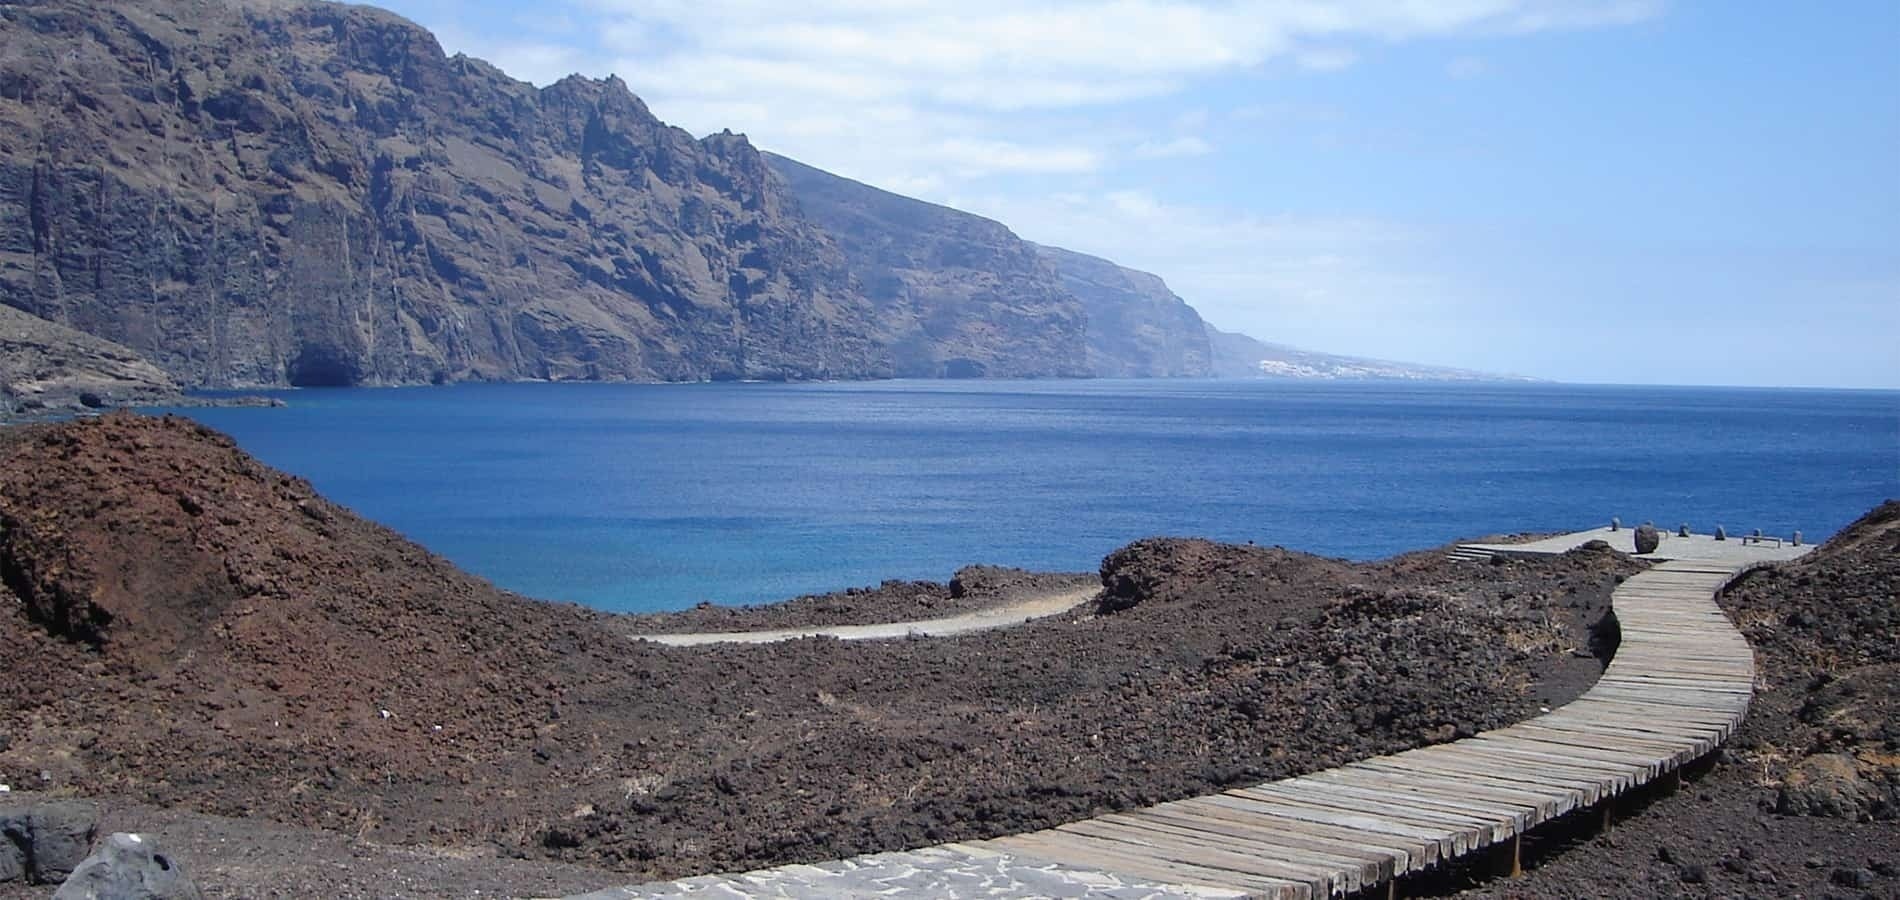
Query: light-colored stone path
pixel 946 871
pixel 1737 548
pixel 1029 609
pixel 1680 684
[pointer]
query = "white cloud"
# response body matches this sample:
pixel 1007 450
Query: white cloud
pixel 972 79
pixel 1181 146
pixel 984 157
pixel 1325 59
pixel 1328 282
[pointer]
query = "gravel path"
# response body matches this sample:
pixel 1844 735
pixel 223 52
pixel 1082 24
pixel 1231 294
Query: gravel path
pixel 1025 610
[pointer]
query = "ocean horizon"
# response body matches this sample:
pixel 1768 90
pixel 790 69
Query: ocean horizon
pixel 647 497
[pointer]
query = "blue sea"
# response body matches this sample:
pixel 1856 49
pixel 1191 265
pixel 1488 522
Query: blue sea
pixel 657 497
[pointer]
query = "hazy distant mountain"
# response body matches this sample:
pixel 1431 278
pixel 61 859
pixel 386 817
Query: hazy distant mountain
pixel 1137 327
pixel 955 294
pixel 948 281
pixel 1240 356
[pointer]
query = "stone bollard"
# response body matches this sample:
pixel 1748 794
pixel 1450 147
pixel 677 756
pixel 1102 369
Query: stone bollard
pixel 1720 535
pixel 1797 539
pixel 1683 531
pixel 1647 538
pixel 1616 524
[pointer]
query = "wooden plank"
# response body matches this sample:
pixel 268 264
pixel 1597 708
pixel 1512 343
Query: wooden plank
pixel 1375 786
pixel 1482 830
pixel 1530 757
pixel 1418 852
pixel 1549 802
pixel 1259 854
pixel 1327 875
pixel 1451 844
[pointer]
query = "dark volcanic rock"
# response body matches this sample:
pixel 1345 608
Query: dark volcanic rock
pixel 958 295
pixel 1831 785
pixel 128 867
pixel 46 367
pixel 1176 570
pixel 314 194
pixel 47 840
pixel 1137 327
pixel 1647 538
pixel 12 855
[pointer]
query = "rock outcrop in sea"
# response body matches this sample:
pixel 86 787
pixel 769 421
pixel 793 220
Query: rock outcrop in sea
pixel 47 368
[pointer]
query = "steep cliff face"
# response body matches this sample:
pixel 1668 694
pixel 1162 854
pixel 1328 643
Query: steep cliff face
pixel 958 295
pixel 313 194
pixel 1137 327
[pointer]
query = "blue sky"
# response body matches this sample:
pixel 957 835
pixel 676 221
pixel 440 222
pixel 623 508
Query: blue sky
pixel 1585 190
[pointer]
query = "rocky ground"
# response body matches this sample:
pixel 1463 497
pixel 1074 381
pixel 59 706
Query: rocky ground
pixel 193 631
pixel 1805 801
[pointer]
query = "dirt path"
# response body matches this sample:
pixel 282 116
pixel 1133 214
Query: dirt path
pixel 1025 610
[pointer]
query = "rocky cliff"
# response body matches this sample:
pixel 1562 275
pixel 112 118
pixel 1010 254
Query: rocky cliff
pixel 46 367
pixel 960 295
pixel 314 194
pixel 292 192
pixel 1137 327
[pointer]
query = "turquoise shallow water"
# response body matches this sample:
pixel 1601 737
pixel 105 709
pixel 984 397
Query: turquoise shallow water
pixel 651 497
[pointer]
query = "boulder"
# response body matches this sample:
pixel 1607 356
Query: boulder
pixel 1829 785
pixel 48 840
pixel 128 867
pixel 1647 538
pixel 1858 710
pixel 985 580
pixel 12 860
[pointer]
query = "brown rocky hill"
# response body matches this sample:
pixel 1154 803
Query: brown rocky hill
pixel 313 193
pixel 960 295
pixel 46 367
pixel 1138 328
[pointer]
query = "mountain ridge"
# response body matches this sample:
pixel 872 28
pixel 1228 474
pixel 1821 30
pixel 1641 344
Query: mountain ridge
pixel 305 193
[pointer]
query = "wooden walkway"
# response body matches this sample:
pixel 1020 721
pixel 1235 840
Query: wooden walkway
pixel 1679 685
